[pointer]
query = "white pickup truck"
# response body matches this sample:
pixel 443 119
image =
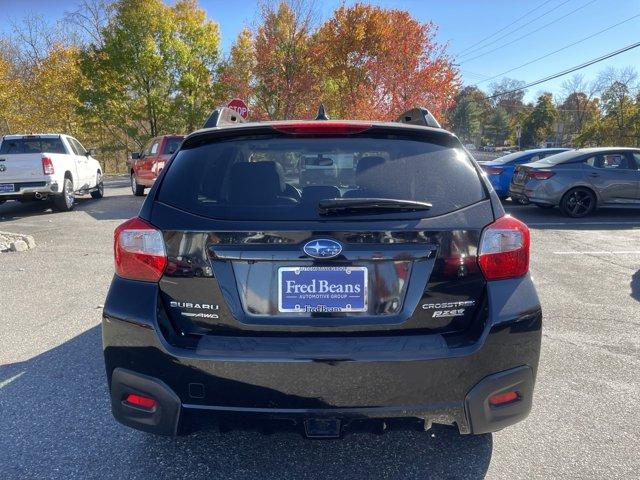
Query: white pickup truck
pixel 47 166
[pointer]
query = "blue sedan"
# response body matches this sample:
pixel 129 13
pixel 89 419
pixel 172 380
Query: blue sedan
pixel 501 169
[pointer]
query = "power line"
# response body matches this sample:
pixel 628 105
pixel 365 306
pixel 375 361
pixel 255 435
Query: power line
pixel 570 70
pixel 473 47
pixel 476 48
pixel 558 50
pixel 528 34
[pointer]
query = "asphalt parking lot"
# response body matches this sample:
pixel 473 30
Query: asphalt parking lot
pixel 55 420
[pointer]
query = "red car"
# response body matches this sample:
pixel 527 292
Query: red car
pixel 146 165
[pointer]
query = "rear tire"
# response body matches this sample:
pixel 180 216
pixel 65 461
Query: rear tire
pixel 136 188
pixel 99 191
pixel 578 202
pixel 66 201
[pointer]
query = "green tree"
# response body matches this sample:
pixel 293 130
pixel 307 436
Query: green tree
pixel 195 48
pixel 154 71
pixel 498 127
pixel 538 125
pixel 465 119
pixel 620 113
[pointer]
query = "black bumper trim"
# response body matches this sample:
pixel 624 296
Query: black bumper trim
pixel 483 417
pixel 162 420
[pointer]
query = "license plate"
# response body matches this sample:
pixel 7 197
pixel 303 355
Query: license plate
pixel 7 188
pixel 322 289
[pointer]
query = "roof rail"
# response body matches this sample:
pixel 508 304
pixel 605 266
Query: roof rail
pixel 419 116
pixel 222 116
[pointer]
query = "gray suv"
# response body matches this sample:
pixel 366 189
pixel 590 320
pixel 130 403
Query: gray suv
pixel 580 180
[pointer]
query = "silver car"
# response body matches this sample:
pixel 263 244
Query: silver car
pixel 579 181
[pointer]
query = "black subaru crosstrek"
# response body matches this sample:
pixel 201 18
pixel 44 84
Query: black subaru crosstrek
pixel 397 296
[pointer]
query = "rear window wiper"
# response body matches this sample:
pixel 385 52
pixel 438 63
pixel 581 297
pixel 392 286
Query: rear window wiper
pixel 345 206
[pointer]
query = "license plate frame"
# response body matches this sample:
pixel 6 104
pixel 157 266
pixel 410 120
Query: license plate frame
pixel 7 188
pixel 319 301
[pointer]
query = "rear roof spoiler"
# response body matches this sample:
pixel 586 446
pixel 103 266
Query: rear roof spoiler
pixel 419 116
pixel 223 116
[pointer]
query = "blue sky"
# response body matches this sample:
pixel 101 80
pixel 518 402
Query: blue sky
pixel 463 24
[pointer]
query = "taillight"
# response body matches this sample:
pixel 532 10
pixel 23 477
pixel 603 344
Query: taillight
pixel 321 127
pixel 540 174
pixel 47 166
pixel 493 170
pixel 504 249
pixel 139 251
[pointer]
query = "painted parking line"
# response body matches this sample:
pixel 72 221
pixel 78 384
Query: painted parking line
pixel 599 252
pixel 578 224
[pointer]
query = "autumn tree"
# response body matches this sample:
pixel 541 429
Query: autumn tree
pixel 9 83
pixel 196 58
pixel 284 84
pixel 508 94
pixel 237 72
pixel 369 70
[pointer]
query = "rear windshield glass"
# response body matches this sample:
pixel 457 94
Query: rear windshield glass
pixel 32 145
pixel 560 157
pixel 284 178
pixel 171 146
pixel 510 157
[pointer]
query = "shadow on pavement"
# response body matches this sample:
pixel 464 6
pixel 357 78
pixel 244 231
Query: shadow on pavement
pixel 552 219
pixel 56 422
pixel 635 286
pixel 120 205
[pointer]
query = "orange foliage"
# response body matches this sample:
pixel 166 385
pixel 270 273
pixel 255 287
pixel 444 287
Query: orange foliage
pixel 364 62
pixel 380 62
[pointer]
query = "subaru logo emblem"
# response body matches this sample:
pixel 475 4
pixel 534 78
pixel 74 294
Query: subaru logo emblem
pixel 322 248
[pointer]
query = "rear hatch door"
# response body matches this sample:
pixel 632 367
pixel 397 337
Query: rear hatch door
pixel 250 248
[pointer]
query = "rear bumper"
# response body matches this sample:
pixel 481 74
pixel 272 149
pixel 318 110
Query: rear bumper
pixel 427 377
pixel 535 192
pixel 30 189
pixel 475 414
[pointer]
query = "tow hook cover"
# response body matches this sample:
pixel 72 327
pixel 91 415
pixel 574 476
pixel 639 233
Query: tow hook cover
pixel 322 428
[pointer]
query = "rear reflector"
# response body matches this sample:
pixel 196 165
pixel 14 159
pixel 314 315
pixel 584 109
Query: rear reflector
pixel 139 251
pixel 504 249
pixel 503 398
pixel 322 127
pixel 540 174
pixel 140 401
pixel 47 166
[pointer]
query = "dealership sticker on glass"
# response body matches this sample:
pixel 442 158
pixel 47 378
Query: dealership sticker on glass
pixel 322 289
